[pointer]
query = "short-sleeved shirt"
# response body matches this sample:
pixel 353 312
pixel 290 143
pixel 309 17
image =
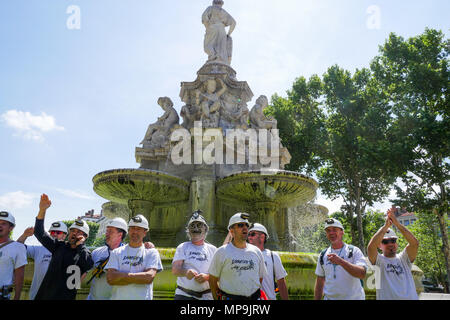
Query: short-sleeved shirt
pixel 339 284
pixel 396 280
pixel 134 260
pixel 197 258
pixel 238 270
pixel 100 288
pixel 272 267
pixel 42 258
pixel 12 257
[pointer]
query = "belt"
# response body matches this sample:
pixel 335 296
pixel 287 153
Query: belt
pixel 194 293
pixel 255 296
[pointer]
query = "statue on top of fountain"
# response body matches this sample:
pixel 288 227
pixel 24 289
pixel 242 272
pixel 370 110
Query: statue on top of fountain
pixel 157 134
pixel 218 44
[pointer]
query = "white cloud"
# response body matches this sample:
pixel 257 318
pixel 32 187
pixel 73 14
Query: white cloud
pixel 16 200
pixel 75 194
pixel 29 126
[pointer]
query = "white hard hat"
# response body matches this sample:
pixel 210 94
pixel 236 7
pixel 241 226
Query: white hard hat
pixel 80 225
pixel 333 223
pixel 138 221
pixel 259 227
pixel 238 218
pixel 197 216
pixel 58 226
pixel 390 234
pixel 6 216
pixel 118 223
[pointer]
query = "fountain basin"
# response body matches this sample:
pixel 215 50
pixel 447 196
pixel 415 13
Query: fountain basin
pixel 122 185
pixel 278 187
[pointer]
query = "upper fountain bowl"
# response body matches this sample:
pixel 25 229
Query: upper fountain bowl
pixel 122 185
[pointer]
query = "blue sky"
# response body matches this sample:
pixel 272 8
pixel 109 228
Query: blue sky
pixel 75 102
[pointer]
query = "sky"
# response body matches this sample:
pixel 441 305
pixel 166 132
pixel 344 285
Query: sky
pixel 79 79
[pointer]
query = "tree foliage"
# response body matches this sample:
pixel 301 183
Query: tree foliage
pixel 415 74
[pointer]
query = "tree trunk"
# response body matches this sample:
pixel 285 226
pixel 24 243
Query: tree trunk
pixel 445 247
pixel 359 222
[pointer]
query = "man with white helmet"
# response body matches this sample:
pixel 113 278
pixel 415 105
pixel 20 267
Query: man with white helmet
pixel 71 259
pixel 395 278
pixel 13 258
pixel 274 279
pixel 116 231
pixel 237 269
pixel 40 254
pixel 132 268
pixel 191 262
pixel 340 268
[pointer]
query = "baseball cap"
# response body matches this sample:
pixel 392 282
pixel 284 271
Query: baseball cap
pixel 259 227
pixel 118 223
pixel 390 234
pixel 237 218
pixel 80 225
pixel 331 222
pixel 138 221
pixel 58 226
pixel 6 216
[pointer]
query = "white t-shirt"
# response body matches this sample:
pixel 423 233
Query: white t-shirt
pixel 41 257
pixel 396 280
pixel 100 288
pixel 280 273
pixel 339 284
pixel 134 260
pixel 12 257
pixel 238 270
pixel 197 258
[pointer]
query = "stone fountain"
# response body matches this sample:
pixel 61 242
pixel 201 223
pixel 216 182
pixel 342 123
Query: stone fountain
pixel 222 158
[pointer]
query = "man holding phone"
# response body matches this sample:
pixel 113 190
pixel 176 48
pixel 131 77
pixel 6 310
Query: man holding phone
pixel 70 259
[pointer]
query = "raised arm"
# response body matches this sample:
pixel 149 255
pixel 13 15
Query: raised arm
pixel 26 234
pixel 374 243
pixel 39 231
pixel 413 243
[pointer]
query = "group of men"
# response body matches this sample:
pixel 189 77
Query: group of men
pixel 241 269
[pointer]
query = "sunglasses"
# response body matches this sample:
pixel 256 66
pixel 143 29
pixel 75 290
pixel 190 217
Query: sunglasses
pixel 56 232
pixel 389 241
pixel 329 221
pixel 252 234
pixel 56 224
pixel 241 225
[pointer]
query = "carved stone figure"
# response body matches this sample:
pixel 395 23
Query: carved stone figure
pixel 158 133
pixel 191 111
pixel 257 118
pixel 211 102
pixel 218 44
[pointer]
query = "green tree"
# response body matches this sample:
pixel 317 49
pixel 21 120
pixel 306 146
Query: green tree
pixel 338 127
pixel 415 74
pixel 429 257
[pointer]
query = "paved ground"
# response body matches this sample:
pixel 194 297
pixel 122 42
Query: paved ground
pixel 434 296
